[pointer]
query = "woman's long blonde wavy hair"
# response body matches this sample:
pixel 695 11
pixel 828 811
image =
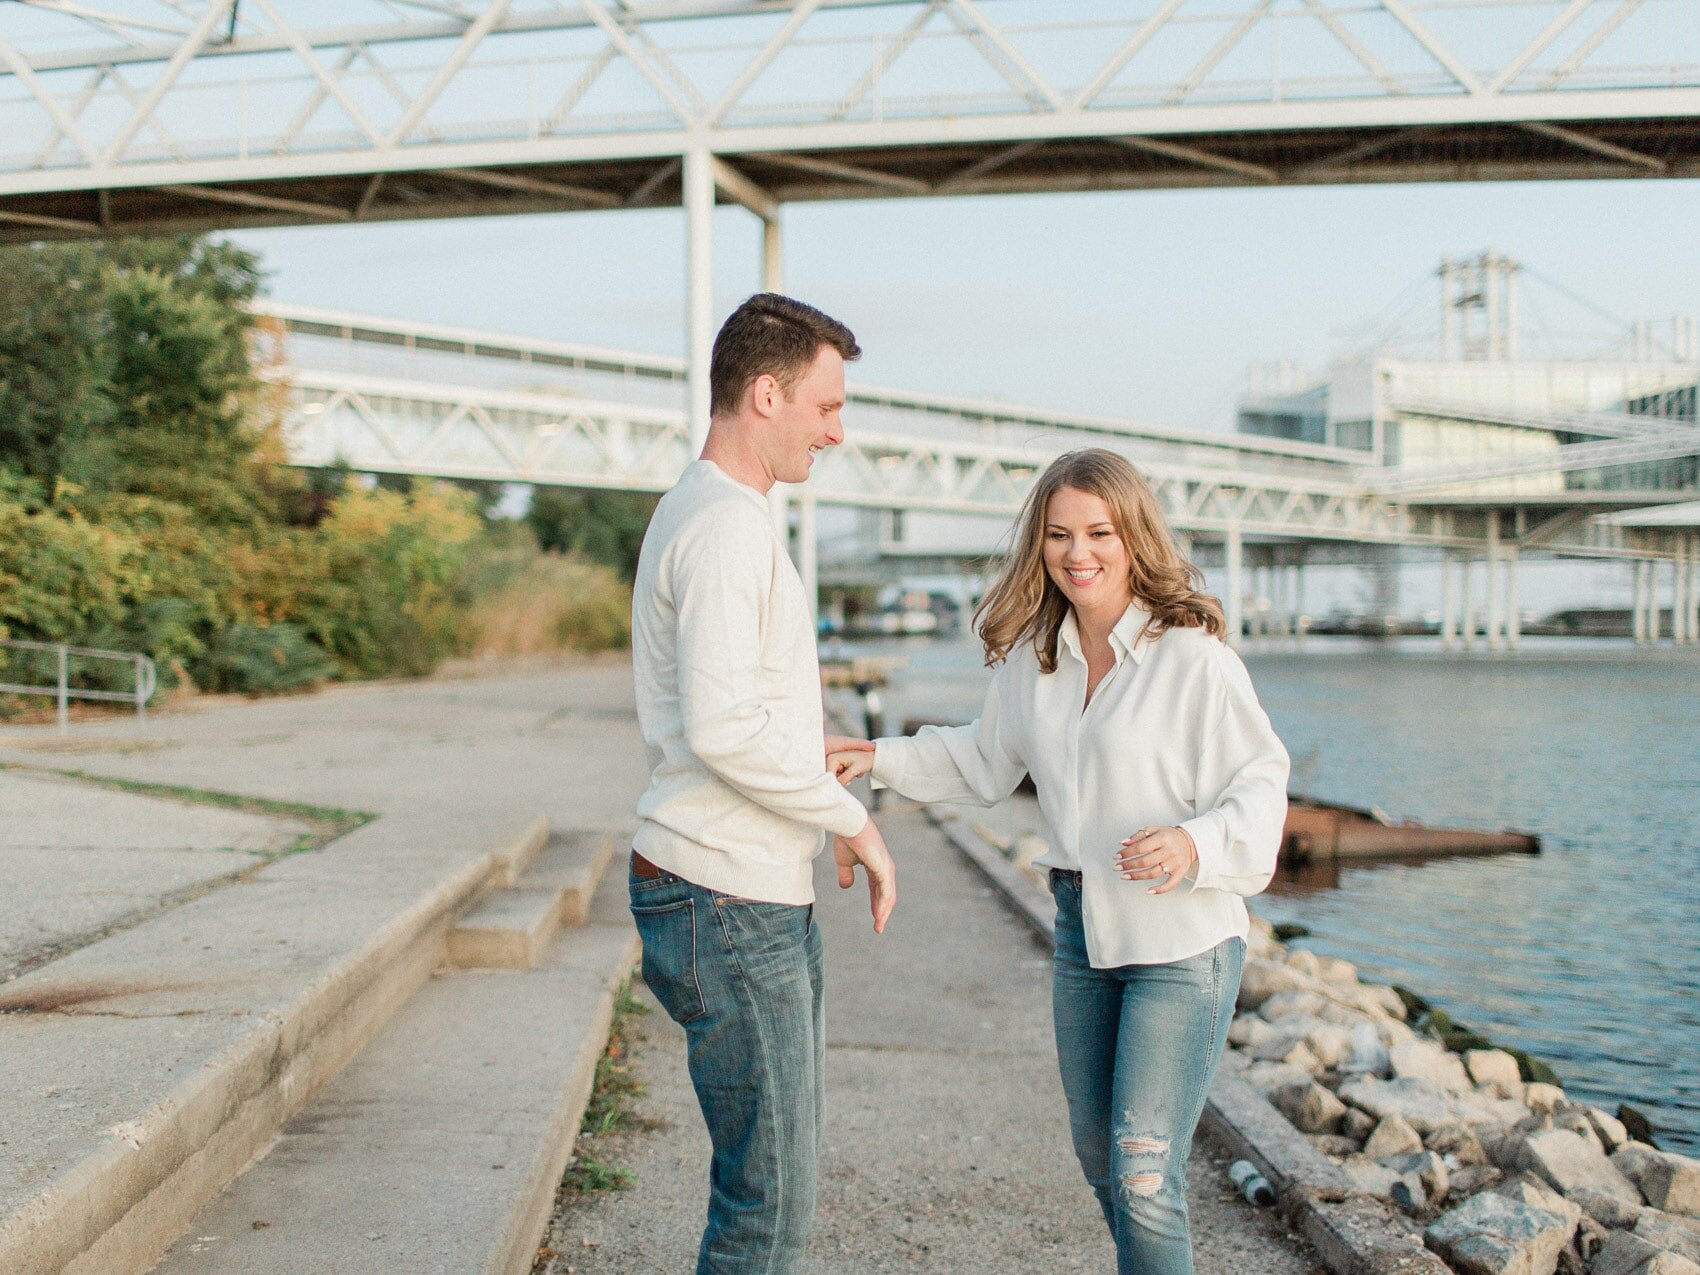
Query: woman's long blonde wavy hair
pixel 1024 604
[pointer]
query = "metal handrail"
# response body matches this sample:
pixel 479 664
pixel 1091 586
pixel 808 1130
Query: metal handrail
pixel 146 677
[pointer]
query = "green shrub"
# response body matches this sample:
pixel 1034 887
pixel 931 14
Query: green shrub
pixel 252 660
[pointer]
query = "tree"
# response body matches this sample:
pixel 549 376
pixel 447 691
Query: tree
pixel 54 359
pixel 604 526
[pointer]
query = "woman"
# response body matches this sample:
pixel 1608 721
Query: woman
pixel 1164 789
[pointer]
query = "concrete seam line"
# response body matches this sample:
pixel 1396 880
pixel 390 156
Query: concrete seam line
pixel 1353 1233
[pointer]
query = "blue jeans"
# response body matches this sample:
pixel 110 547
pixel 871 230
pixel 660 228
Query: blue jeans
pixel 745 981
pixel 1137 1046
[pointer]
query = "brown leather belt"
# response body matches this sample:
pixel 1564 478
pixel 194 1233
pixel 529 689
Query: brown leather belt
pixel 642 867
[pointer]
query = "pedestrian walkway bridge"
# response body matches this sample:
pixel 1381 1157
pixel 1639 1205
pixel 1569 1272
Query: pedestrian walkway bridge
pixel 387 396
pixel 125 115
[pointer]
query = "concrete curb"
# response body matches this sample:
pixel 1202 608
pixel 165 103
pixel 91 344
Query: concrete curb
pixel 120 1208
pixel 1354 1233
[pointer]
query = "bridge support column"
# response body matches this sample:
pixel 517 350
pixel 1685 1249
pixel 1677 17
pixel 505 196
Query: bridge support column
pixel 1448 600
pixel 1298 597
pixel 699 289
pixel 1233 552
pixel 1513 616
pixel 1638 603
pixel 1467 636
pixel 1653 609
pixel 772 256
pixel 1694 589
pixel 1678 598
pixel 808 547
pixel 1493 582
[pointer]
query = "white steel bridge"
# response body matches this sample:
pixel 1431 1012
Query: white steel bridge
pixel 385 396
pixel 149 115
pixel 139 116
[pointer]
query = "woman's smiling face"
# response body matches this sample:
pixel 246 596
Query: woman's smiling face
pixel 1084 554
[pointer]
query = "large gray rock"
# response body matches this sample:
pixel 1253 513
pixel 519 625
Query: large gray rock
pixel 1568 1162
pixel 1607 1210
pixel 1423 1105
pixel 1541 1098
pixel 1262 979
pixel 1326 1041
pixel 1269 1077
pixel 1526 1188
pixel 1496 1069
pixel 1365 1053
pixel 1282 1004
pixel 1385 999
pixel 1310 1107
pixel 1369 1177
pixel 1470 1178
pixel 1334 1145
pixel 1669 1181
pixel 1392 1136
pixel 1429 1168
pixel 1608 1128
pixel 1668 1231
pixel 1425 1060
pixel 1626 1253
pixel 1458 1142
pixel 1248 1031
pixel 1578 1123
pixel 1305 962
pixel 1489 1234
pixel 1333 970
pixel 1358 1124
pixel 1481 1111
pixel 1296 1054
pixel 1393 1032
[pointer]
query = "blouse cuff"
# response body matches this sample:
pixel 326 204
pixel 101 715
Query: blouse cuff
pixel 1210 839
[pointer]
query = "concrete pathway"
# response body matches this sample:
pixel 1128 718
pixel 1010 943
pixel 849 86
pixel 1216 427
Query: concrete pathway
pixel 948 1149
pixel 77 859
pixel 947 1143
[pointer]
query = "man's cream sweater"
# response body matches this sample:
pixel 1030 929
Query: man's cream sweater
pixel 728 697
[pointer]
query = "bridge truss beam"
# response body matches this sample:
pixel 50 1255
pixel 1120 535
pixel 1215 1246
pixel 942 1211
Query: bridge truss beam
pixel 401 426
pixel 219 115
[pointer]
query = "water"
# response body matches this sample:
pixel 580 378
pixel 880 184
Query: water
pixel 1588 955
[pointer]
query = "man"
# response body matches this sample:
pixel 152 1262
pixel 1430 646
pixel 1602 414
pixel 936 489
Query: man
pixel 728 694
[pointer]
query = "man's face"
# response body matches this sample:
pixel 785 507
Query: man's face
pixel 806 422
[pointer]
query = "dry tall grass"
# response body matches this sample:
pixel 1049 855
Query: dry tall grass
pixel 550 602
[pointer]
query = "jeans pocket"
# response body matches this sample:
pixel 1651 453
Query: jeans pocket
pixel 669 934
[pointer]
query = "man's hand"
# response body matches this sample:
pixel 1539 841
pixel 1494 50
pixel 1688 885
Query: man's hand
pixel 867 848
pixel 848 758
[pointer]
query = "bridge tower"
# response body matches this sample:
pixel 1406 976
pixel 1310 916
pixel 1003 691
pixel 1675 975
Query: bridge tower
pixel 1478 308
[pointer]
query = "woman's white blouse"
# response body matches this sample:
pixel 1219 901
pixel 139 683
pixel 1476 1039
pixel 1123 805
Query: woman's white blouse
pixel 1174 735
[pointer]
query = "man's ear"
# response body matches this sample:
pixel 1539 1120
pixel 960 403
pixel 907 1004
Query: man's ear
pixel 764 394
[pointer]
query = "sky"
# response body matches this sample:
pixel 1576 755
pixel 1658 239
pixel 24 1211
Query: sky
pixel 1146 305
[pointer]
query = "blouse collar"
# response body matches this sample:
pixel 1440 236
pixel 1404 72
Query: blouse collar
pixel 1128 637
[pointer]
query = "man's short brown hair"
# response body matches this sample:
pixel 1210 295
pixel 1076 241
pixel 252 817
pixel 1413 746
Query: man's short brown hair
pixel 771 335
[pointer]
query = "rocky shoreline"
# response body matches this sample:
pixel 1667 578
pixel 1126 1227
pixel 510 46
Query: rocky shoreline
pixel 1503 1173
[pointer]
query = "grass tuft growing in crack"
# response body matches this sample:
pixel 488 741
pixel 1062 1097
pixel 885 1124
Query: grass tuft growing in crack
pixel 330 822
pixel 611 1108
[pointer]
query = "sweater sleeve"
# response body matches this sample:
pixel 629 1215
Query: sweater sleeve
pixel 977 763
pixel 1243 774
pixel 722 576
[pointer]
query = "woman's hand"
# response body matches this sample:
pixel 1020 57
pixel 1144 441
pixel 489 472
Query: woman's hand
pixel 1157 852
pixel 849 764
